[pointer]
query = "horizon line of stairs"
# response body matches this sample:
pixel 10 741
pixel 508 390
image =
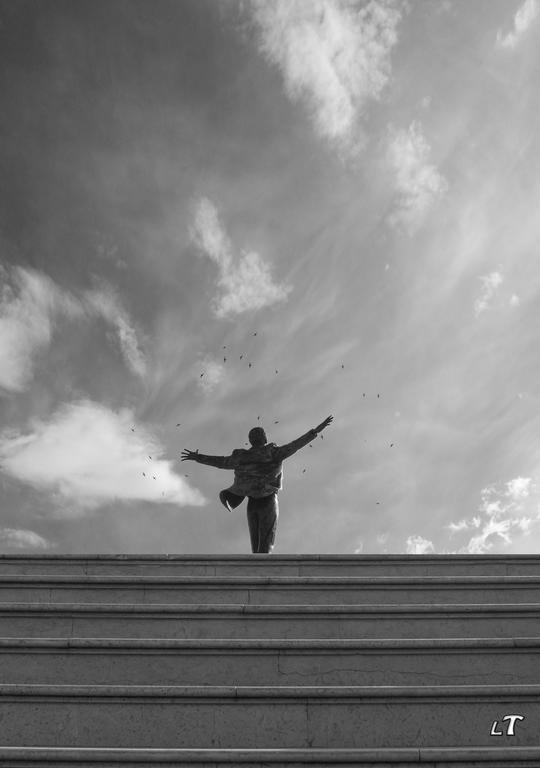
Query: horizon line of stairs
pixel 286 661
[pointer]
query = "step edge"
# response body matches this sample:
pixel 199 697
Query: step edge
pixel 288 608
pixel 274 558
pixel 301 644
pixel 271 691
pixel 384 753
pixel 45 580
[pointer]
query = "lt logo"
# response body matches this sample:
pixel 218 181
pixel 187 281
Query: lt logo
pixel 511 724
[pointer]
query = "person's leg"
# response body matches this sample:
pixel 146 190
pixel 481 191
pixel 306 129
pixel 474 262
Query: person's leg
pixel 267 511
pixel 253 525
pixel 230 500
pixel 268 520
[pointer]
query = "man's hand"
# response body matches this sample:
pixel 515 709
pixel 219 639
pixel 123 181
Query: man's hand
pixel 324 424
pixel 189 455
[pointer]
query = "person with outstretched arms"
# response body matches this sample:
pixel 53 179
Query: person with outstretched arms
pixel 258 474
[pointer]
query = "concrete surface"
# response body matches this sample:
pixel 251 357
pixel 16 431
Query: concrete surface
pixel 267 660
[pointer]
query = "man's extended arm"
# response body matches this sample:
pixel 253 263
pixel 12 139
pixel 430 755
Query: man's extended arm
pixel 287 450
pixel 221 462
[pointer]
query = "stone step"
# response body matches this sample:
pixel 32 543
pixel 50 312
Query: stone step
pixel 278 590
pixel 273 565
pixel 268 621
pixel 122 661
pixel 450 757
pixel 266 717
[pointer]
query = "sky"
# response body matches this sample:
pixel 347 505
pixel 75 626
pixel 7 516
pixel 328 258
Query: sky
pixel 220 214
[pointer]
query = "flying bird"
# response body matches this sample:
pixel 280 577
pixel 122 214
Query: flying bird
pixel 178 425
pixel 154 477
pixel 255 333
pixel 276 422
pixel 132 429
pixel 276 370
pixel 202 374
pixel 342 366
pixel 149 457
pixel 391 445
pixel 377 395
pixel 303 471
pixel 241 356
pixel 224 347
pixel 224 359
pixel 144 473
pixel 258 418
pixel 249 365
pixel 322 437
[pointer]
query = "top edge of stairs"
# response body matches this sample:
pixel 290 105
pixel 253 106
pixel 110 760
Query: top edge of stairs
pixel 269 558
pixel 358 756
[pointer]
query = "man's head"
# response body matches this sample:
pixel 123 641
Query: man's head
pixel 257 437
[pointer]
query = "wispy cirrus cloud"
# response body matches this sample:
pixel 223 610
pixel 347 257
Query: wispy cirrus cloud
pixel 334 56
pixel 106 303
pixel 19 538
pixel 87 455
pixel 502 514
pixel 524 17
pixel 417 182
pixel 30 305
pixel 246 282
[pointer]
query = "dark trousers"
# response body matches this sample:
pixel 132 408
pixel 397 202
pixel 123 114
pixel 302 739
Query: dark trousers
pixel 262 516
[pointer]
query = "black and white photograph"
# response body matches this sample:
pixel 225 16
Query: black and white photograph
pixel 269 383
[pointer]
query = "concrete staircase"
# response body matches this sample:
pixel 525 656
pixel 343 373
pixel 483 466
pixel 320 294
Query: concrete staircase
pixel 266 660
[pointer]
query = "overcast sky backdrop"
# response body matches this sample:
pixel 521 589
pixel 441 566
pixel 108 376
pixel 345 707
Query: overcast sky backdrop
pixel 357 183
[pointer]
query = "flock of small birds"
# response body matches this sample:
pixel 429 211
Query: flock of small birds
pixel 258 417
pixel 250 364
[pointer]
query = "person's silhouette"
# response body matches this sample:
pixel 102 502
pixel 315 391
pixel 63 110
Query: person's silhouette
pixel 258 474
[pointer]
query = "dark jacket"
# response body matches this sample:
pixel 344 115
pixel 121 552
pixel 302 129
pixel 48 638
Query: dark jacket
pixel 258 471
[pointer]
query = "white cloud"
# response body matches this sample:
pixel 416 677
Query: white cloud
pixel 523 19
pixel 29 314
pixel 481 544
pixel 502 514
pixel 17 538
pixel 247 284
pixel 27 323
pixel 334 56
pixel 491 283
pixel 418 183
pixel 519 488
pixel 462 525
pixel 87 456
pixel 416 545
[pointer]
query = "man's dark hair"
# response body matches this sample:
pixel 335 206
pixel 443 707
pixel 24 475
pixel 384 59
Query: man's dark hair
pixel 257 436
